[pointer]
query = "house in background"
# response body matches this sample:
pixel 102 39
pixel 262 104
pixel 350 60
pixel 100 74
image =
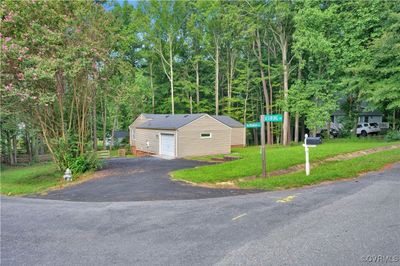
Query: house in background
pixel 185 135
pixel 117 137
pixel 120 135
pixel 364 117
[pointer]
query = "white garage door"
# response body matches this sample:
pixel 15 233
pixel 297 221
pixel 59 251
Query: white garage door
pixel 167 146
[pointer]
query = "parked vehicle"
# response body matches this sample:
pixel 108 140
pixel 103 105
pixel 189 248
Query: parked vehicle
pixel 334 133
pixel 363 129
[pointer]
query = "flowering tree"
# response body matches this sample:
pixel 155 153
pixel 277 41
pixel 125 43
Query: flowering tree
pixel 52 55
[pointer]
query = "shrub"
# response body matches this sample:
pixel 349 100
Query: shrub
pixel 392 135
pixel 83 163
pixel 67 155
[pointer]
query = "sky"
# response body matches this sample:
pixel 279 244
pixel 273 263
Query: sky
pixel 132 2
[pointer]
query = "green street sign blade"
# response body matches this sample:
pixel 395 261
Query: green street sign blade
pixel 253 125
pixel 273 118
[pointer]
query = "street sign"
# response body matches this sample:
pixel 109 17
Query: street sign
pixel 253 125
pixel 273 118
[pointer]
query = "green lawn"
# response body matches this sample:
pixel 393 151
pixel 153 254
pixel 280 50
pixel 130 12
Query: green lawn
pixel 29 179
pixel 277 158
pixel 327 171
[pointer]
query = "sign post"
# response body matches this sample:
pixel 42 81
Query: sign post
pixel 264 166
pixel 261 124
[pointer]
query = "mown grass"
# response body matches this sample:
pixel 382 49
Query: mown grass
pixel 277 158
pixel 29 179
pixel 327 171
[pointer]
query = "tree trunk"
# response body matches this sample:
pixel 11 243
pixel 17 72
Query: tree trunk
pixel 104 124
pixel 191 103
pixel 296 122
pixel 9 149
pixel 113 131
pixel 216 88
pixel 296 128
pixel 264 84
pixel 28 145
pixel 171 67
pixel 247 92
pixel 255 134
pixel 328 128
pixel 60 94
pixel 230 74
pixel 152 87
pixel 35 147
pixel 94 125
pixel 394 119
pixel 270 91
pixel 286 121
pixel 41 145
pixel 14 138
pixel 197 86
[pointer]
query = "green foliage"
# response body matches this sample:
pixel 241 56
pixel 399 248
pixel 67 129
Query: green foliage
pixel 72 66
pixel 392 135
pixel 68 156
pixel 84 163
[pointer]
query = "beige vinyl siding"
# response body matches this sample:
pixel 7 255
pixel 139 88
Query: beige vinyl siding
pixel 132 128
pixel 151 135
pixel 191 144
pixel 238 136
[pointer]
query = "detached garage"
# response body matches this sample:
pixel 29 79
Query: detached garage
pixel 180 135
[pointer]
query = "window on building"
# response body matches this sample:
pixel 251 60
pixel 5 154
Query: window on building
pixel 205 135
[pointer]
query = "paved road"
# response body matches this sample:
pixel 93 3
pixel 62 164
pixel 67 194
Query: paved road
pixel 345 223
pixel 139 179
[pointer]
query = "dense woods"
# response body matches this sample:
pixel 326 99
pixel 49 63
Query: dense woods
pixel 73 72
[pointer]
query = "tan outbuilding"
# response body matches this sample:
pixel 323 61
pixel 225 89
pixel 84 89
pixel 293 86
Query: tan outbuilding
pixel 184 135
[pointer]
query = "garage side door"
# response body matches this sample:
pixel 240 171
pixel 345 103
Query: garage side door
pixel 167 145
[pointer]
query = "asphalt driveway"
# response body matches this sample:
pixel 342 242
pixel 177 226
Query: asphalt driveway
pixel 139 179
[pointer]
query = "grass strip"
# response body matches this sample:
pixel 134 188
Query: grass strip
pixel 327 171
pixel 278 157
pixel 29 179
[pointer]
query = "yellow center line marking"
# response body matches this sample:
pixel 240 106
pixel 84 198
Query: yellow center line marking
pixel 240 216
pixel 287 199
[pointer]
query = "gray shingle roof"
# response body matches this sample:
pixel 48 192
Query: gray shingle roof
pixel 227 120
pixel 168 121
pixel 121 134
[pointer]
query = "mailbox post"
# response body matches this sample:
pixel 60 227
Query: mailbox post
pixel 306 149
pixel 309 142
